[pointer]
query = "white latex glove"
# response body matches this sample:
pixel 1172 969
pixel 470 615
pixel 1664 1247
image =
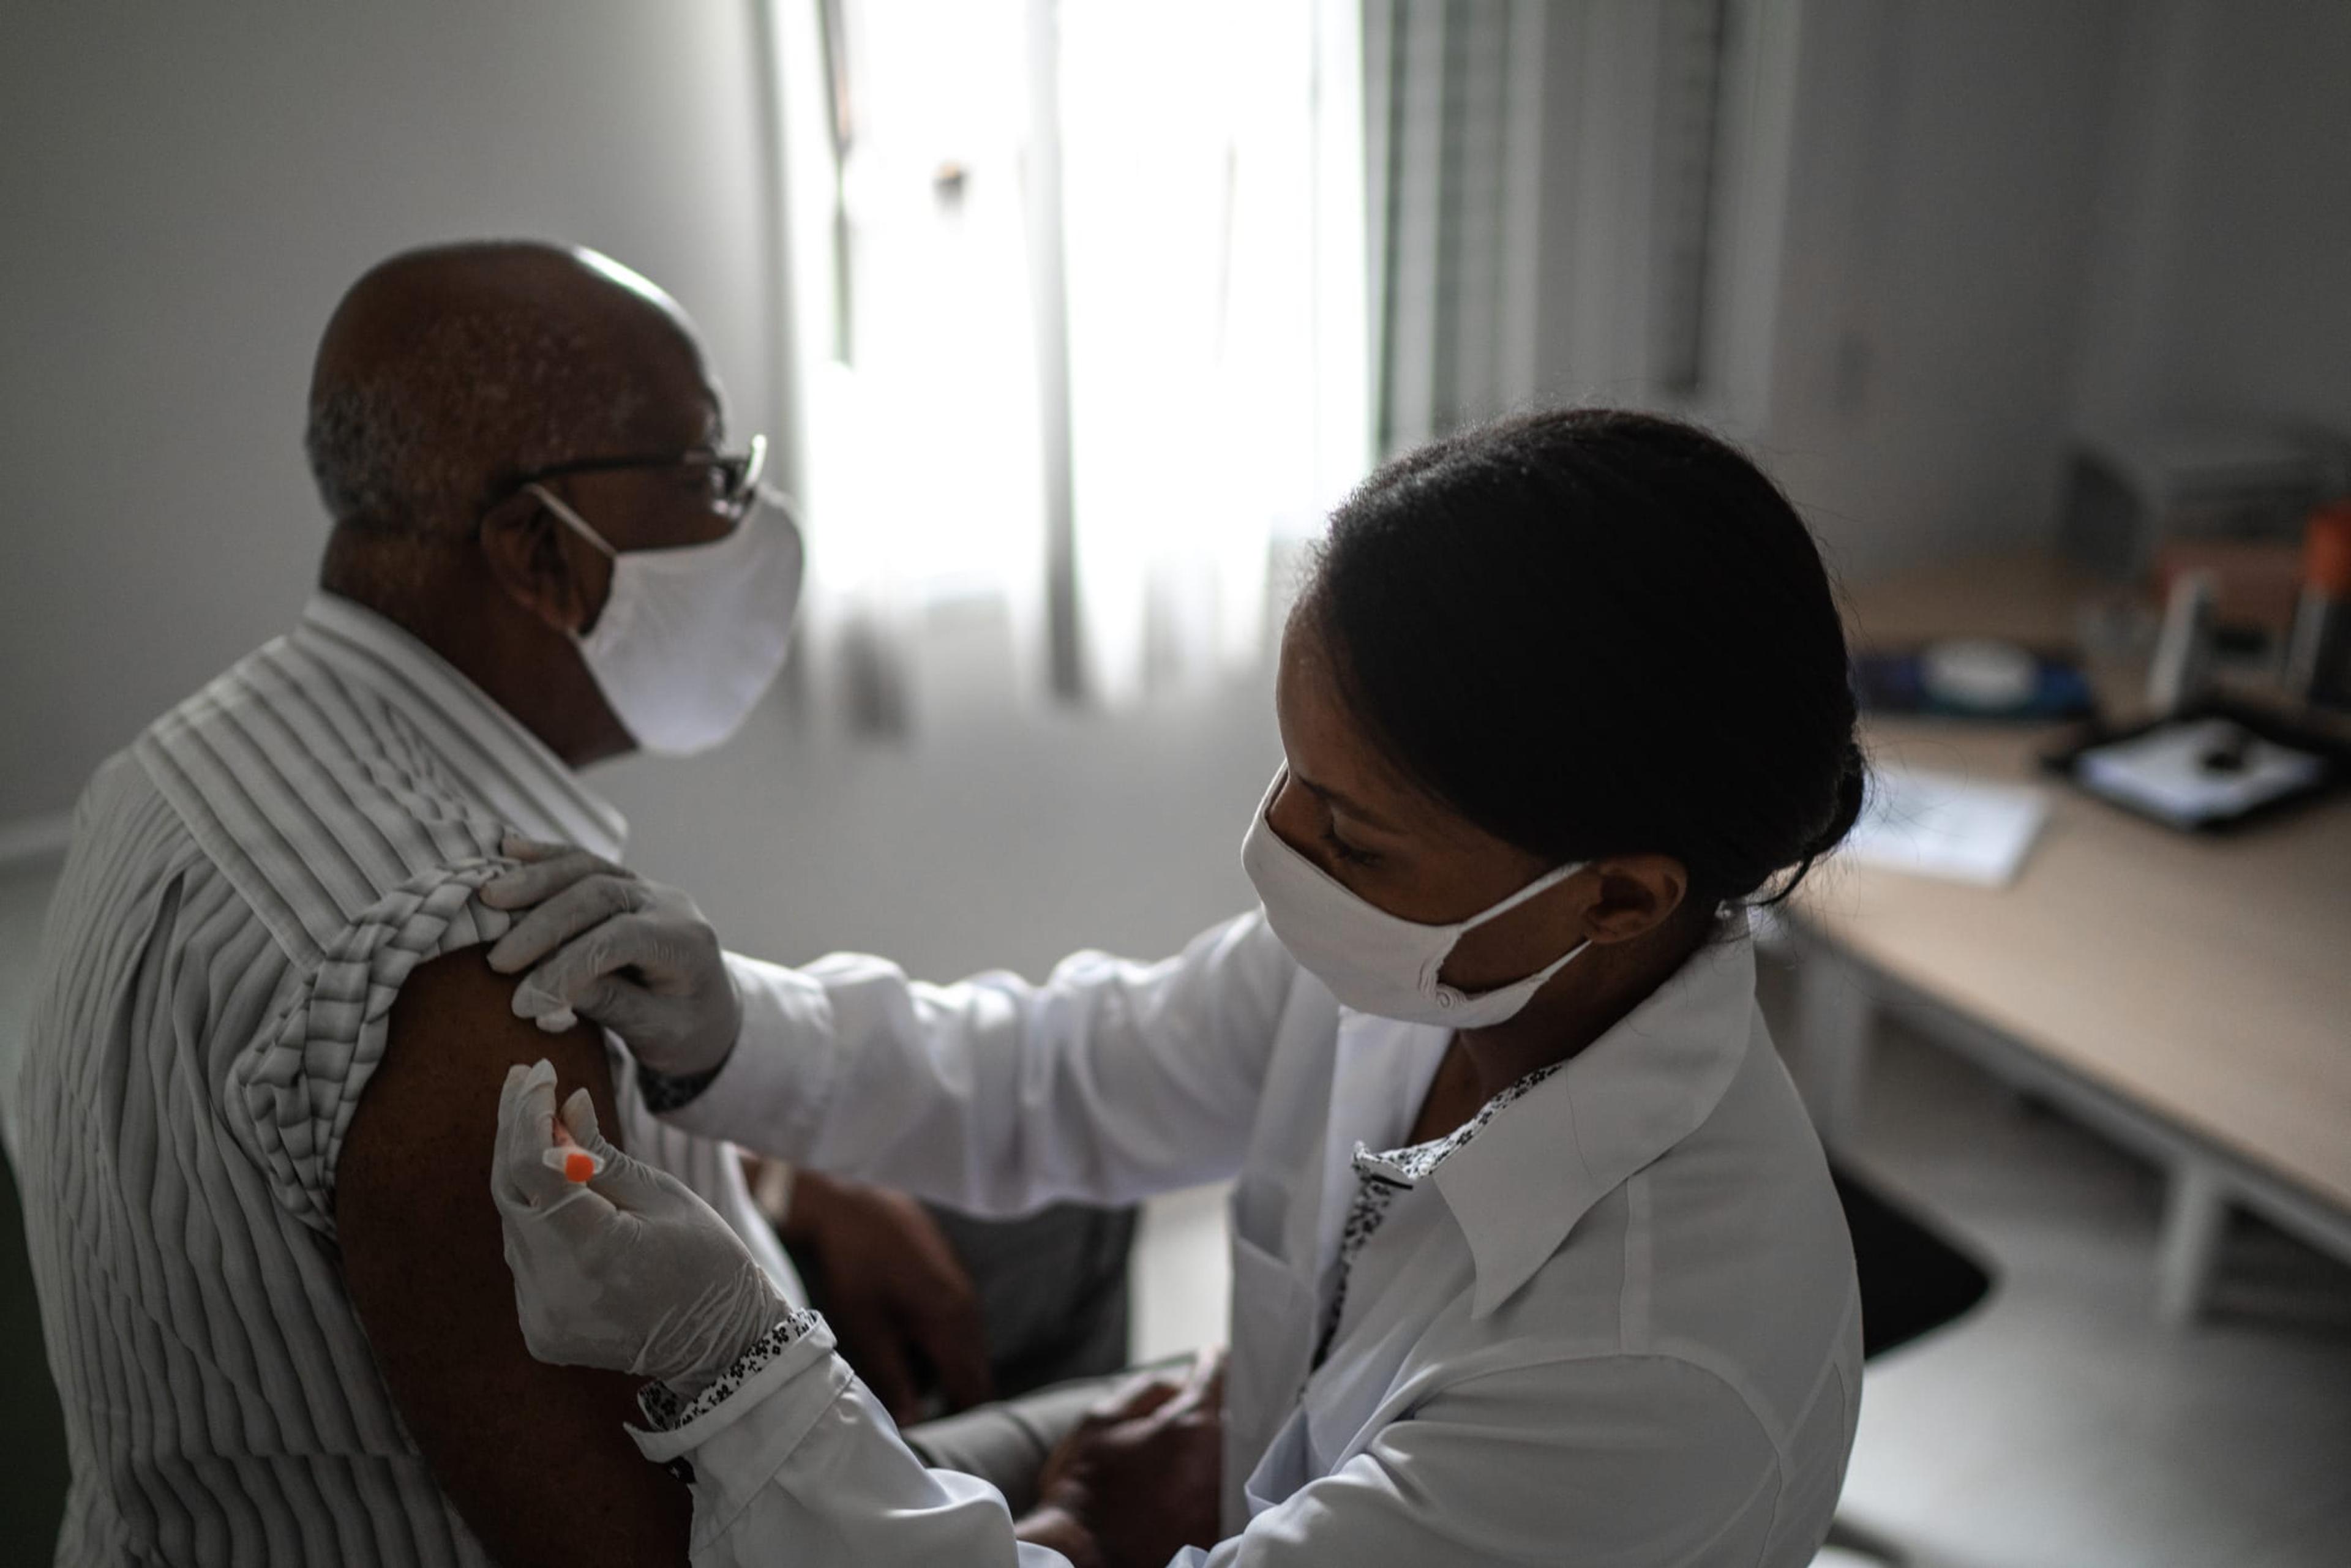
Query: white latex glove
pixel 635 955
pixel 629 1271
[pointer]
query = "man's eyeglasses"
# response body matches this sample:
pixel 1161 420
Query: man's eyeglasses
pixel 735 477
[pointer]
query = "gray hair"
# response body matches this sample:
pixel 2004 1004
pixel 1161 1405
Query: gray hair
pixel 425 440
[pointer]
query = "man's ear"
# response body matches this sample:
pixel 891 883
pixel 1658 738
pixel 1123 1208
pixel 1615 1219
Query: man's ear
pixel 557 577
pixel 1637 895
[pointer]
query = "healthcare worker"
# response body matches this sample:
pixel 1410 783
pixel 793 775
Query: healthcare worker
pixel 1535 1255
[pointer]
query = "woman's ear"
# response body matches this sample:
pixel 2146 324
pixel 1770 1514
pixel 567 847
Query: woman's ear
pixel 552 574
pixel 1637 895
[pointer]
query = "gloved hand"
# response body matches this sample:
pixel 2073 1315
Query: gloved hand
pixel 635 955
pixel 629 1272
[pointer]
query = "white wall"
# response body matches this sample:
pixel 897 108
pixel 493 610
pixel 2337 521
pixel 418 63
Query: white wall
pixel 2228 273
pixel 2007 222
pixel 188 190
pixel 1988 205
pixel 1948 161
pixel 1911 197
pixel 989 839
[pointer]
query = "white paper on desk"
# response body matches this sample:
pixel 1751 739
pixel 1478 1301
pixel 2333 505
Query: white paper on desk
pixel 1944 825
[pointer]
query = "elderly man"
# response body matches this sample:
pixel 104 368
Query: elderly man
pixel 254 1102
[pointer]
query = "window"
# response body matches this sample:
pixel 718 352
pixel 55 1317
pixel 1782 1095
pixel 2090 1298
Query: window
pixel 1079 289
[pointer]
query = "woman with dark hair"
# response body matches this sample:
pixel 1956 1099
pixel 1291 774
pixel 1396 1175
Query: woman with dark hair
pixel 1536 1256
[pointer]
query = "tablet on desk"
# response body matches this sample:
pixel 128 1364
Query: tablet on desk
pixel 2209 769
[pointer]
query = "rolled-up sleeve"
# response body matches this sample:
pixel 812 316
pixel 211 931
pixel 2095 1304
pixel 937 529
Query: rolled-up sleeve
pixel 293 1090
pixel 1109 1081
pixel 794 1463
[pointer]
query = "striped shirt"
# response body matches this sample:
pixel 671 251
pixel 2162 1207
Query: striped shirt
pixel 248 886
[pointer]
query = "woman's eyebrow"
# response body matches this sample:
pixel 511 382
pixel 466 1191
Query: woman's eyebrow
pixel 1331 797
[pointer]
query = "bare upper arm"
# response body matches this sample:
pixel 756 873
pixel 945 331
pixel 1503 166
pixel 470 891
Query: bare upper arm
pixel 533 1456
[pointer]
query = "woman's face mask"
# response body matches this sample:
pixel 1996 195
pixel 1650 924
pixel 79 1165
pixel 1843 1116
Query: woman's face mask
pixel 1372 961
pixel 690 638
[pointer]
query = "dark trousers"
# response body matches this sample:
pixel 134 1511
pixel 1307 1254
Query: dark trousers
pixel 1053 1304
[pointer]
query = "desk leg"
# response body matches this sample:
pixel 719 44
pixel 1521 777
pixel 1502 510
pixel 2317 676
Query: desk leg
pixel 2195 1219
pixel 1835 1016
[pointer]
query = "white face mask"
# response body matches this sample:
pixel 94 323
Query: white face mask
pixel 1372 961
pixel 689 638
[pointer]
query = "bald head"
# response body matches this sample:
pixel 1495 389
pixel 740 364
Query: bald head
pixel 445 372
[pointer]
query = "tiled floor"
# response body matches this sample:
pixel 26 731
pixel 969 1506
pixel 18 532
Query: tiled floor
pixel 2062 1426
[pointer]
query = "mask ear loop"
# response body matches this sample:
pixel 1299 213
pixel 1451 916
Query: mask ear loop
pixel 578 524
pixel 1436 990
pixel 1533 982
pixel 572 521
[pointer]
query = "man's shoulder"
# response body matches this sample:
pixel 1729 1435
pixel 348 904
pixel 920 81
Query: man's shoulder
pixel 317 800
pixel 126 842
pixel 117 800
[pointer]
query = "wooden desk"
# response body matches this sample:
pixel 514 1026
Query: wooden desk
pixel 2191 997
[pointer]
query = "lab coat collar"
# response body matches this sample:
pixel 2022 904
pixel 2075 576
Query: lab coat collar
pixel 485 745
pixel 1520 1186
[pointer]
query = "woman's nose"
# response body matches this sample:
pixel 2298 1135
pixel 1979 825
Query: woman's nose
pixel 1292 815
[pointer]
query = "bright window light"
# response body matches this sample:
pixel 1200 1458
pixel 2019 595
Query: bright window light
pixel 1210 237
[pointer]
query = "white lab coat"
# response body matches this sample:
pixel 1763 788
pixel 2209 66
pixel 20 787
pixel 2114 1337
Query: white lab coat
pixel 1618 1326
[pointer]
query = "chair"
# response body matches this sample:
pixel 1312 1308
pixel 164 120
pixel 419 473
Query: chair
pixel 1913 1281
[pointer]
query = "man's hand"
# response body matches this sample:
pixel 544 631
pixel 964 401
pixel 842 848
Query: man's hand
pixel 893 1291
pixel 633 955
pixel 1140 1477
